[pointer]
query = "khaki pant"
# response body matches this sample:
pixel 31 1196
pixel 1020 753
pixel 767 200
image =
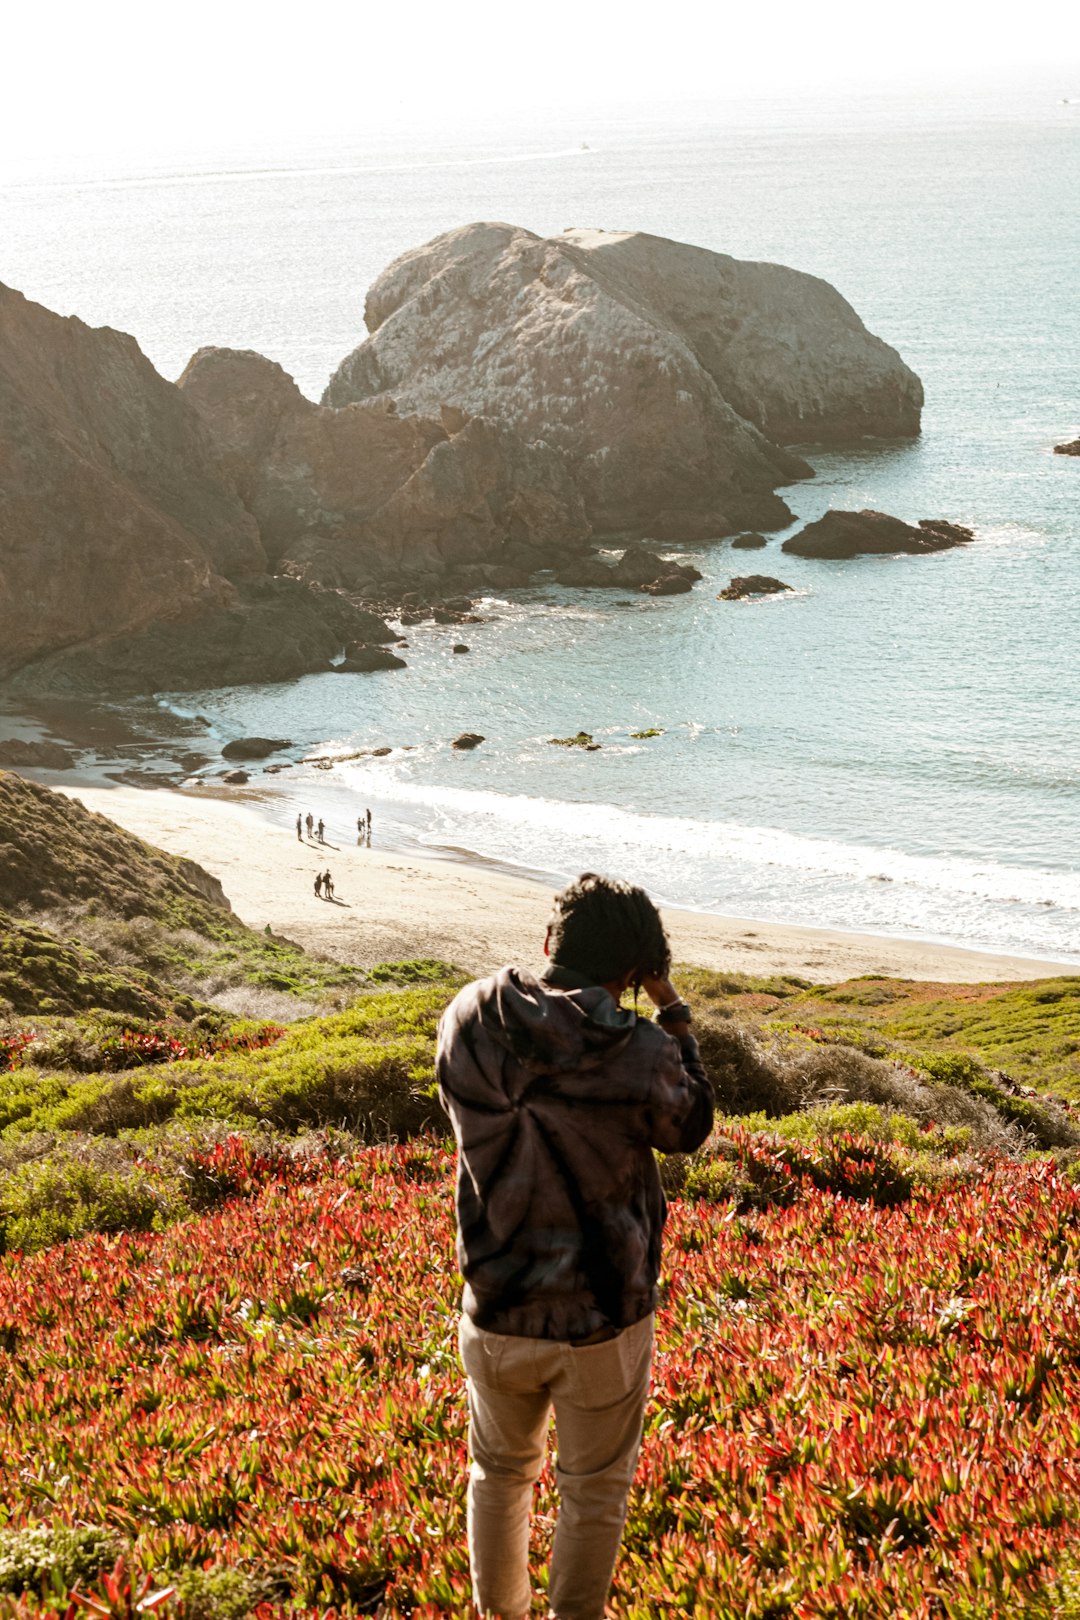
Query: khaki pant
pixel 599 1393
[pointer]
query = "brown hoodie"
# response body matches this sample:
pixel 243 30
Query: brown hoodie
pixel 558 1098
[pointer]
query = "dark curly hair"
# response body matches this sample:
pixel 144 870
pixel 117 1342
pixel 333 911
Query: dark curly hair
pixel 604 929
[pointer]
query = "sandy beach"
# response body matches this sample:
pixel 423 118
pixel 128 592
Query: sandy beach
pixel 391 907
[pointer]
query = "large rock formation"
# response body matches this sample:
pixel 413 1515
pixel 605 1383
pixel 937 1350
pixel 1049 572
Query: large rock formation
pixel 268 629
pixel 345 497
pixel 115 507
pixel 668 375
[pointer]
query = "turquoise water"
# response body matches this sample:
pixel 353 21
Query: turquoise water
pixel 894 747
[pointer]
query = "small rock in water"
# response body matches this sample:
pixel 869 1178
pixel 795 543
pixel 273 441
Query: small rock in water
pixel 1070 449
pixel 583 739
pixel 459 647
pixel 236 777
pixel 254 747
pixel 364 660
pixel 670 585
pixel 749 542
pixel 467 739
pixel 752 585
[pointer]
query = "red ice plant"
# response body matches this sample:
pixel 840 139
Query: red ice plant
pixel 860 1410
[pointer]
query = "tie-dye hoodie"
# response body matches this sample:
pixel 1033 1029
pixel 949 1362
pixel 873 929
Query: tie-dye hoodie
pixel 558 1098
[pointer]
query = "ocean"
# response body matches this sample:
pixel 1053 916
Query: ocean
pixel 893 747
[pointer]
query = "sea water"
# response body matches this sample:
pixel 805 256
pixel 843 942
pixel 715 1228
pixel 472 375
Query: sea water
pixel 893 745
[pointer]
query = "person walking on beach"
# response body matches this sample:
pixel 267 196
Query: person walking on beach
pixel 310 823
pixel 299 825
pixel 558 1096
pixel 328 885
pixel 318 885
pixel 367 818
pixel 320 829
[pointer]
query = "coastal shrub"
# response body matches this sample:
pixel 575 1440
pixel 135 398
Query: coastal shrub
pixel 221 1593
pixel 1044 1122
pixel 369 1069
pixel 758 1169
pixel 50 1558
pixel 56 1186
pixel 781 1077
pixel 869 1120
pixel 42 974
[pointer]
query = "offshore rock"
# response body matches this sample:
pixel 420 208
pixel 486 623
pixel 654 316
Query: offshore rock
pixel 117 509
pixel 748 542
pixel 364 660
pixel 637 567
pixel 871 534
pixel 254 747
pixel 671 377
pixel 345 497
pixel 1070 449
pixel 466 740
pixel 751 585
pixel 669 585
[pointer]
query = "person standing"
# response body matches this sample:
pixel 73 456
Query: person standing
pixel 558 1097
pixel 367 819
pixel 310 823
pixel 360 830
pixel 318 885
pixel 328 885
pixel 320 829
pixel 299 826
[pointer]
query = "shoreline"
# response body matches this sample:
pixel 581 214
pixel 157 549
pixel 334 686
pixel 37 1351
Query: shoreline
pixel 394 905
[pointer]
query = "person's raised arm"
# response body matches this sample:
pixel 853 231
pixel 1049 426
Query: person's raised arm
pixel 681 1106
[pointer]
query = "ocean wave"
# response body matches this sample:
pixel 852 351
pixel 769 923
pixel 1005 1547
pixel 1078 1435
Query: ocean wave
pixel 569 832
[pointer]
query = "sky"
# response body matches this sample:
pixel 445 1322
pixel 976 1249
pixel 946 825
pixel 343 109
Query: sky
pixel 135 78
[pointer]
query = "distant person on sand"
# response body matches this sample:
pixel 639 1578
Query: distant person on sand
pixel 310 823
pixel 360 827
pixel 368 819
pixel 328 885
pixel 299 826
pixel 318 885
pixel 558 1096
pixel 320 829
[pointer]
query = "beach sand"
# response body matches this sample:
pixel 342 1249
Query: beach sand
pixel 393 907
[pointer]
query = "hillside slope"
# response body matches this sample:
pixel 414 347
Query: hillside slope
pixel 91 916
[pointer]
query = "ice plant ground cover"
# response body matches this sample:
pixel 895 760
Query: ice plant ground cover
pixel 859 1409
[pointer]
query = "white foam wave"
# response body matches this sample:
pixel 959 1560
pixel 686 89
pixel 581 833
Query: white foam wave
pixel 508 822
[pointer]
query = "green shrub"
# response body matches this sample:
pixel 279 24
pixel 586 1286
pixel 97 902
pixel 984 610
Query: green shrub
pixel 64 1195
pixel 220 1593
pixel 54 1557
pixel 1042 1121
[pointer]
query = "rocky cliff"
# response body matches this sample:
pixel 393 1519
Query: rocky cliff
pixel 670 377
pixel 347 496
pixel 115 506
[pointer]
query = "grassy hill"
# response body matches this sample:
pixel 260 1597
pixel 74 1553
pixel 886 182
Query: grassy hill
pixel 91 916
